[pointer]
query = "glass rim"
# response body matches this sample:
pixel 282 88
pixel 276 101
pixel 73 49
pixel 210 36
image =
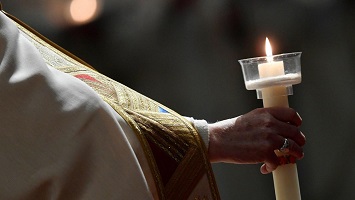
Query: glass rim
pixel 264 58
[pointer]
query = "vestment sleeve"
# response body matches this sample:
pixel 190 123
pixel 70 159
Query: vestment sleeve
pixel 59 140
pixel 202 128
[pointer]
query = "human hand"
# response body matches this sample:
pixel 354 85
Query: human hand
pixel 252 138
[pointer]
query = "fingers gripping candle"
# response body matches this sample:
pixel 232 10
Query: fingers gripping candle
pixel 273 77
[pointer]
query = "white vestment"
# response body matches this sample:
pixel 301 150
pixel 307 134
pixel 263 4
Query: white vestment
pixel 59 139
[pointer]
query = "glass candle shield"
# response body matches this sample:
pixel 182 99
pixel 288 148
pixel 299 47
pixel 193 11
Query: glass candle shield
pixel 254 71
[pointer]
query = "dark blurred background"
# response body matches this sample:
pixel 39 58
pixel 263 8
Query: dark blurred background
pixel 184 54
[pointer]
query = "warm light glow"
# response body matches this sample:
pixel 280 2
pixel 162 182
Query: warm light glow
pixel 82 11
pixel 268 50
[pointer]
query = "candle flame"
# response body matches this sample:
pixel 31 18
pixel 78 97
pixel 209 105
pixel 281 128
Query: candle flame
pixel 268 50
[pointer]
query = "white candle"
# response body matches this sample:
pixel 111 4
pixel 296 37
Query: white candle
pixel 285 176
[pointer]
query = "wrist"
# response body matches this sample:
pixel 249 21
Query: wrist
pixel 219 139
pixel 213 130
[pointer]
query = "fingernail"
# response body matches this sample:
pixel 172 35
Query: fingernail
pixel 303 134
pixel 299 116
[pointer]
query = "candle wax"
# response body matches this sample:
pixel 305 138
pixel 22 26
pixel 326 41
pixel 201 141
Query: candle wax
pixel 287 79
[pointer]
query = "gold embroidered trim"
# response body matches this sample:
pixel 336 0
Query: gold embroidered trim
pixel 162 135
pixel 189 173
pixel 47 43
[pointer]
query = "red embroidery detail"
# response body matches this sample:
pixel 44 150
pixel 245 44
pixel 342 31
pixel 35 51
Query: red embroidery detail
pixel 287 159
pixel 86 77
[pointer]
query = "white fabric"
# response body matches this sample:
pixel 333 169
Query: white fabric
pixel 202 128
pixel 58 139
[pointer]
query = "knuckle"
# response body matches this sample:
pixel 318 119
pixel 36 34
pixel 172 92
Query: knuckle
pixel 268 122
pixel 269 144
